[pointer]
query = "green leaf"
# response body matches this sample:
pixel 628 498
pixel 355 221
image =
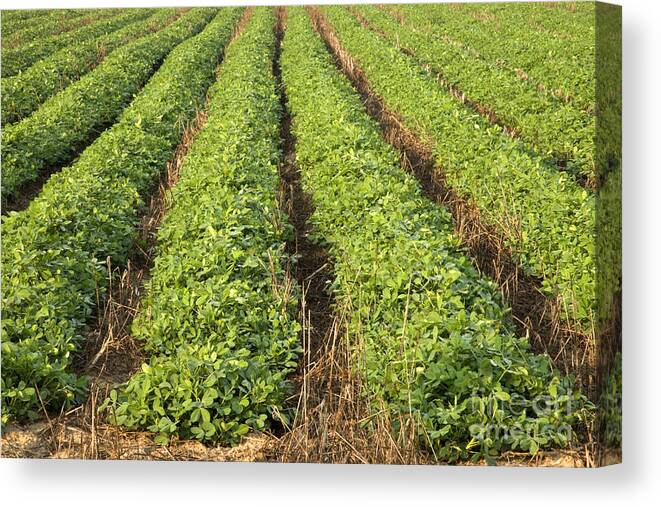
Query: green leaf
pixel 502 395
pixel 534 447
pixel 161 439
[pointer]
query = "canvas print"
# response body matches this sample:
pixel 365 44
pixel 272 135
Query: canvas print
pixel 332 234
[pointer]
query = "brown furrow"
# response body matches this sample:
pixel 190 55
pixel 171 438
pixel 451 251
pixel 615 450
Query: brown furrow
pixel 331 408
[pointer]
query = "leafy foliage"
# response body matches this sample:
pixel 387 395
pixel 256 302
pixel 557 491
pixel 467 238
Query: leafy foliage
pixel 10 17
pixel 54 252
pixel 608 143
pixel 11 24
pixel 608 245
pixel 433 339
pixel 59 21
pixel 15 60
pixel 217 318
pixel 24 93
pixel 553 128
pixel 547 220
pixel 66 122
pixel 561 62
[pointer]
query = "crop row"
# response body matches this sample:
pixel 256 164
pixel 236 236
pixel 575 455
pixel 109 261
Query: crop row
pixel 433 338
pixel 13 26
pixel 545 218
pixel 608 143
pixel 563 31
pixel 55 25
pixel 608 247
pixel 533 57
pixel 609 88
pixel 219 317
pixel 560 52
pixel 551 126
pixel 54 252
pixel 15 60
pixel 23 93
pixel 23 14
pixel 68 121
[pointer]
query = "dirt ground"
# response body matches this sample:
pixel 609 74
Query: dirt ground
pixel 70 437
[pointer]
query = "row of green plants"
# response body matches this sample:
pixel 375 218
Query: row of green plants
pixel 55 25
pixel 23 93
pixel 433 341
pixel 609 89
pixel 15 60
pixel 55 252
pixel 609 218
pixel 545 218
pixel 219 318
pixel 556 69
pixel 11 24
pixel 570 32
pixel 11 16
pixel 608 248
pixel 553 128
pixel 56 132
pixel 608 146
